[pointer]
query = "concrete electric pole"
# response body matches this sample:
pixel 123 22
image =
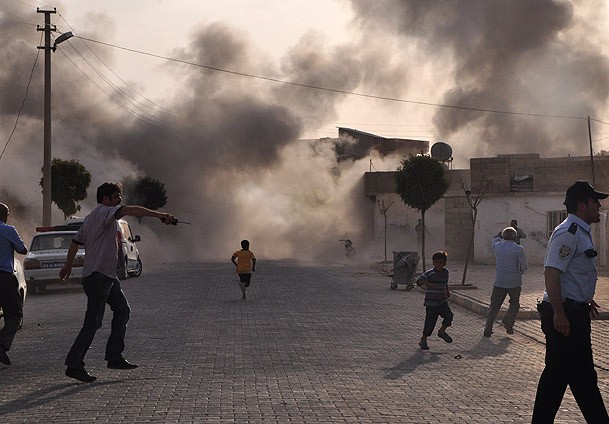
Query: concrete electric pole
pixel 46 166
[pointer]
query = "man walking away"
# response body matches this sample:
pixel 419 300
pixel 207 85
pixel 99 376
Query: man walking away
pixel 10 299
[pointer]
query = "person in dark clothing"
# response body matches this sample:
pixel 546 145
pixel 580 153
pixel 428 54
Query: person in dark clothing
pixel 10 299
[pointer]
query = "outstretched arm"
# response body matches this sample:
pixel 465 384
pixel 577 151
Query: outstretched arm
pixel 140 212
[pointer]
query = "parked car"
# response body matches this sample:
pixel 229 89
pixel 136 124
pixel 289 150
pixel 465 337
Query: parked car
pixel 129 262
pixel 18 271
pixel 47 255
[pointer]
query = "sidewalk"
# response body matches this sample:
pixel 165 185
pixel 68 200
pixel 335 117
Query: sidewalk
pixel 475 294
pixel 482 277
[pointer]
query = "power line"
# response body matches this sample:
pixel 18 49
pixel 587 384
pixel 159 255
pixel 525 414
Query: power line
pixel 20 19
pixel 125 96
pixel 280 81
pixel 333 90
pixel 146 119
pixel 122 80
pixel 599 121
pixel 27 88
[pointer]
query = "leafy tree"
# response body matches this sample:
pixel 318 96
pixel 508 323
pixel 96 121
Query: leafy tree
pixel 421 182
pixel 145 191
pixel 70 181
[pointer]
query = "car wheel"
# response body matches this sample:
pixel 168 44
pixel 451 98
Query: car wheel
pixel 31 288
pixel 138 269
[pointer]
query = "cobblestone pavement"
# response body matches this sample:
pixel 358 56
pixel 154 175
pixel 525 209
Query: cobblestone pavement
pixel 311 343
pixel 477 300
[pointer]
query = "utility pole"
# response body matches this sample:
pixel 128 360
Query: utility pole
pixel 46 167
pixel 591 153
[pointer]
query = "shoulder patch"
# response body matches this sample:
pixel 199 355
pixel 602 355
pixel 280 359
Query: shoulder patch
pixel 573 228
pixel 564 252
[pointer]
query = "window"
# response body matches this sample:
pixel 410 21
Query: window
pixel 555 218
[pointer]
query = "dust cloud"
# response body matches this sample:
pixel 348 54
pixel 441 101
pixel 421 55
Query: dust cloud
pixel 229 149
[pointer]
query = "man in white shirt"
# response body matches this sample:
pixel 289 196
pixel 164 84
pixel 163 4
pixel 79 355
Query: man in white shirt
pixel 511 263
pixel 100 282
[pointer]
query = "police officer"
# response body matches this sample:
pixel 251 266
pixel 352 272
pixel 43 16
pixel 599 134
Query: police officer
pixel 10 299
pixel 567 306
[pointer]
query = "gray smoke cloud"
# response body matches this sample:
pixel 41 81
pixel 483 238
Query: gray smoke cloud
pixel 541 57
pixel 229 150
pixel 229 153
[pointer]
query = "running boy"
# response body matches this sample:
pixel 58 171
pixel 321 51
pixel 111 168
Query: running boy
pixel 245 261
pixel 436 299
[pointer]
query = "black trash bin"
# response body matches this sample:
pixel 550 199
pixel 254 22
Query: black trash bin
pixel 404 268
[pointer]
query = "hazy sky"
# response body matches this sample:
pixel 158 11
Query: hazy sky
pixel 230 148
pixel 420 51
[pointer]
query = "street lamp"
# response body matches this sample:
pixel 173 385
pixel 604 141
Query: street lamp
pixel 46 167
pixel 63 37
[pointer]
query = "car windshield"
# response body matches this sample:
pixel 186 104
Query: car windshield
pixel 52 241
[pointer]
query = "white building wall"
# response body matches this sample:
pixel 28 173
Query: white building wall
pixel 531 212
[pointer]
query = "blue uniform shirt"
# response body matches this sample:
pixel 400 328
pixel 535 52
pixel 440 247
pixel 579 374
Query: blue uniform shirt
pixel 9 242
pixel 566 252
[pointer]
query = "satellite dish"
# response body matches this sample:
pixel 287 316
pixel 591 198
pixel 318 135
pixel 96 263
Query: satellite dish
pixel 441 151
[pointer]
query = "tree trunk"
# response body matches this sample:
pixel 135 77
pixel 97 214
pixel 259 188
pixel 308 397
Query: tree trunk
pixel 469 246
pixel 385 216
pixel 423 240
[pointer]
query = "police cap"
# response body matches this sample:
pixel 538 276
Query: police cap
pixel 582 190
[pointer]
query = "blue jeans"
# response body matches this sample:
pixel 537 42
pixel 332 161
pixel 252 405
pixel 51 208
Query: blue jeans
pixel 100 290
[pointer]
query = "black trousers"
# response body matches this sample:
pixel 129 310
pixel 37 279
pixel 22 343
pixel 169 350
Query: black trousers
pixel 431 317
pixel 100 290
pixel 568 363
pixel 12 307
pixel 245 279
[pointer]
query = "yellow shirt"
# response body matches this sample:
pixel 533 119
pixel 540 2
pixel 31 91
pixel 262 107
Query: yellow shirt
pixel 244 258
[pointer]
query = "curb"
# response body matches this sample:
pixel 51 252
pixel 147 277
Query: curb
pixel 480 308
